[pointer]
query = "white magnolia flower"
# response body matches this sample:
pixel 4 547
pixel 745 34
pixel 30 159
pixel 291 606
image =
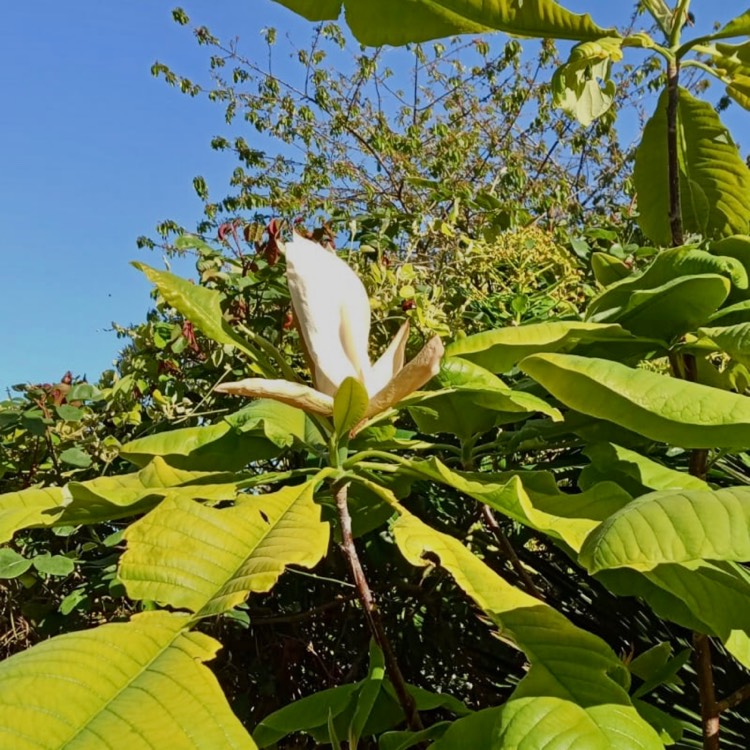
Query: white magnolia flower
pixel 332 312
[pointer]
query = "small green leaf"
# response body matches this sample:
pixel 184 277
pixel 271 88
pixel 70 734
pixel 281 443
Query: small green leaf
pixel 54 565
pixel 12 564
pixel 69 413
pixel 349 405
pixel 75 457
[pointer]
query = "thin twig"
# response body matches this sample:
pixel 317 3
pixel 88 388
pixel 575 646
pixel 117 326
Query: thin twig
pixel 738 696
pixel 510 552
pixel 372 614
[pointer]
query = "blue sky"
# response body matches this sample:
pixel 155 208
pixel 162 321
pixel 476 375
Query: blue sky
pixel 94 152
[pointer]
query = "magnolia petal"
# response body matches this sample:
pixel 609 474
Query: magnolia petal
pixel 410 378
pixel 294 394
pixel 390 362
pixel 333 313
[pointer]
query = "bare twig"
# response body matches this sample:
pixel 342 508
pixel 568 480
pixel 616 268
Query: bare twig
pixel 738 696
pixel 709 707
pixel 510 552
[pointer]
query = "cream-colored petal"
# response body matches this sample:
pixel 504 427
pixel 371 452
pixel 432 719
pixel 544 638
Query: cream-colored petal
pixel 294 394
pixel 411 377
pixel 333 312
pixel 390 362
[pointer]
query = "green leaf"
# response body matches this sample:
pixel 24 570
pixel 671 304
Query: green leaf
pixel 655 529
pixel 738 248
pixel 136 684
pixel 349 405
pixel 532 499
pixel 190 556
pixel 608 269
pixel 200 305
pixel 582 86
pixel 634 472
pixel 739 26
pixel 659 407
pixel 69 413
pixel 709 597
pixel 54 565
pixel 574 692
pixel 212 447
pixel 670 265
pixel 367 695
pixel 714 180
pixel 734 340
pixel 472 400
pixel 500 350
pixel 668 311
pixel 304 714
pixel 670 729
pixel 31 507
pixel 394 22
pixel 75 457
pixel 281 423
pixel 12 564
pixel 473 731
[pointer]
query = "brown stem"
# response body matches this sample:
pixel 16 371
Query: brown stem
pixel 737 697
pixel 709 707
pixel 675 210
pixel 372 614
pixel 510 552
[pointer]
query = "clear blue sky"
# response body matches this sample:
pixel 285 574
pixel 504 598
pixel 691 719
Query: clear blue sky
pixel 94 152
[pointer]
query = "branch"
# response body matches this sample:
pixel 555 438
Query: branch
pixel 372 614
pixel 737 697
pixel 709 708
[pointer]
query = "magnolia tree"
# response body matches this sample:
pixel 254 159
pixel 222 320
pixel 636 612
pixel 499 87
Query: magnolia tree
pixel 616 437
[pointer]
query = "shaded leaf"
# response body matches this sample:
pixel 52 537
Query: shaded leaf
pixel 661 408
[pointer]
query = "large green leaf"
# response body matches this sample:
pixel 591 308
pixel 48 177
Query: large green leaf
pixel 206 560
pixel 737 247
pixel 739 26
pixel 500 350
pixel 672 526
pixel 709 597
pixel 200 305
pixel 656 406
pixel 668 265
pixel 403 21
pixel 714 180
pixel 632 471
pixel 574 693
pixel 108 498
pixel 670 310
pixel 532 498
pixel 259 431
pixel 474 400
pixel 139 684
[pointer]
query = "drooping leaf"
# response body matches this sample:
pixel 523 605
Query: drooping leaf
pixel 672 526
pixel 709 597
pixel 35 506
pixel 532 499
pixel 474 401
pixel 582 86
pixel 737 247
pixel 659 407
pixel 634 472
pixel 670 265
pixel 670 310
pixel 574 692
pixel 500 350
pixel 714 180
pixel 395 22
pixel 207 560
pixel 124 685
pixel 215 447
